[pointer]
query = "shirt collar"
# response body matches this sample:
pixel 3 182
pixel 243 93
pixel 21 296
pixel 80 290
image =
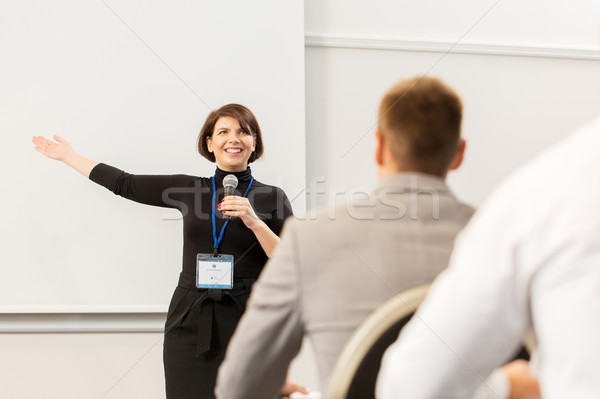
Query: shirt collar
pixel 405 182
pixel 243 177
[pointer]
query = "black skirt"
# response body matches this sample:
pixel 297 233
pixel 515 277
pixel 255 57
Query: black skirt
pixel 200 323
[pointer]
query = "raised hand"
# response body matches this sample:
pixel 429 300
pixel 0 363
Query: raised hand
pixel 61 150
pixel 239 206
pixel 54 150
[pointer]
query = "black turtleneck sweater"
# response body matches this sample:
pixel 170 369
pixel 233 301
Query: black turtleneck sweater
pixel 192 196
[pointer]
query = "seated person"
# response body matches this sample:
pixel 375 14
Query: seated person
pixel 330 272
pixel 528 260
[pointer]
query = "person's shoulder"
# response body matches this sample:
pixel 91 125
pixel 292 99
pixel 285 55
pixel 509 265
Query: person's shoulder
pixel 258 183
pixel 467 211
pixel 322 221
pixel 267 188
pixel 461 209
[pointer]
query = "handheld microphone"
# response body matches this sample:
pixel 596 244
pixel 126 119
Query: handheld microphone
pixel 230 182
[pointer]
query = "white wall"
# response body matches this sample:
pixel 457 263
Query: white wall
pixel 528 73
pixel 535 22
pixel 81 365
pixel 514 107
pixel 94 365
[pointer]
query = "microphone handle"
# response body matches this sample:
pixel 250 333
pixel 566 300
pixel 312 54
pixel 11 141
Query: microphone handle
pixel 227 193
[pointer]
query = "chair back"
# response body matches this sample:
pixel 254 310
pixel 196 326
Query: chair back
pixel 355 372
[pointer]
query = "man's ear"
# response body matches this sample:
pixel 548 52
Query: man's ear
pixel 379 145
pixel 458 157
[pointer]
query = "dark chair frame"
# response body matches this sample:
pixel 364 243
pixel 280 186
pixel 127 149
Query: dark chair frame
pixel 356 370
pixel 355 373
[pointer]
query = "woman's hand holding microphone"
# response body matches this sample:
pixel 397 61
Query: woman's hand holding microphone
pixel 233 205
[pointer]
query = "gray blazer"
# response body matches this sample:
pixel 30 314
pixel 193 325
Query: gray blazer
pixel 330 272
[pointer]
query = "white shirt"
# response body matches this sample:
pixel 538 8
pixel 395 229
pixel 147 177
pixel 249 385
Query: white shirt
pixel 530 258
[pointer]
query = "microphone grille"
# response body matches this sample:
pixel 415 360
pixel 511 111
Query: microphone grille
pixel 230 181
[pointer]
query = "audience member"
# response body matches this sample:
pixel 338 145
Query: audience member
pixel 331 272
pixel 529 259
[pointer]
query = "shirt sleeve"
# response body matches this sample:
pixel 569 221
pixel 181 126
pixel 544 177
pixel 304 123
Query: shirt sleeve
pixel 270 332
pixel 496 386
pixel 157 190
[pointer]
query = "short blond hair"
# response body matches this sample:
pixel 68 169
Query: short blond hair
pixel 420 119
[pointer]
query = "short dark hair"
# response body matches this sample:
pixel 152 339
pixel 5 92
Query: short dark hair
pixel 245 118
pixel 420 119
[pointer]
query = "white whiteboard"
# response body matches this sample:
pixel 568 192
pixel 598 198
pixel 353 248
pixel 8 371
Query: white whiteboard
pixel 129 83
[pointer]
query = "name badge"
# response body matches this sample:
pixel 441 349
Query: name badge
pixel 214 271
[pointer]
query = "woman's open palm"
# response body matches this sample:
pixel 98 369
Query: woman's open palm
pixel 54 150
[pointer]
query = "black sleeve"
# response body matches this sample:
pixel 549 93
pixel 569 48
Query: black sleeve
pixel 157 190
pixel 282 211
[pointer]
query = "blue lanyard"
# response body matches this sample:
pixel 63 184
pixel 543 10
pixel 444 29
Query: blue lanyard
pixel 217 241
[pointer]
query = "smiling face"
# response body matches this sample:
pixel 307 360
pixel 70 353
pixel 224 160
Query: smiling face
pixel 231 145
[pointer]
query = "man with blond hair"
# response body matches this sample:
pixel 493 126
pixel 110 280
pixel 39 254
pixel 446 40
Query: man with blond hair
pixel 328 275
pixel 528 260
